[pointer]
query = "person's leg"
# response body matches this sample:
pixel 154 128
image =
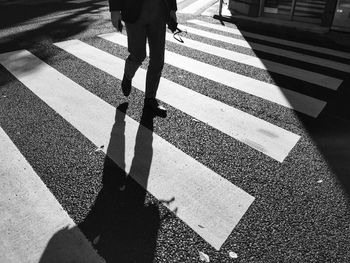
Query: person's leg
pixel 156 39
pixel 136 33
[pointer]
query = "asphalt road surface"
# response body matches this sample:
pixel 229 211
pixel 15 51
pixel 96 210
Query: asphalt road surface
pixel 251 163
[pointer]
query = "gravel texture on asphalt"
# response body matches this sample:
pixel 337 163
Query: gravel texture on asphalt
pixel 295 217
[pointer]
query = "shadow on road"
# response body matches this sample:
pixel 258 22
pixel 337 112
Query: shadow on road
pixel 121 227
pixel 330 130
pixel 21 25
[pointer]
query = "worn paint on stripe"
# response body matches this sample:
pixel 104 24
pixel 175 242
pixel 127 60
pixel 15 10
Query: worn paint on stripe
pixel 272 50
pixel 246 128
pixel 289 71
pixel 287 98
pixel 280 41
pixel 196 191
pixel 32 222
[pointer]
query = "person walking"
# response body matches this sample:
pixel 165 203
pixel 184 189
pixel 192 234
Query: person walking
pixel 145 20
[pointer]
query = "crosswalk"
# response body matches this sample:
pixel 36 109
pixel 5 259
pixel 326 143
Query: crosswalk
pixel 172 174
pixel 269 92
pixel 23 197
pixel 195 7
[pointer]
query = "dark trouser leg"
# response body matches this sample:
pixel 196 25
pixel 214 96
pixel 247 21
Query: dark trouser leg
pixel 136 46
pixel 156 40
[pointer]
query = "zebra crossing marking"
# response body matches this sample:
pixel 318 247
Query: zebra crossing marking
pixel 31 216
pixel 197 7
pixel 326 63
pixel 268 65
pixel 196 190
pixel 183 4
pixel 285 42
pixel 214 9
pixel 287 98
pixel 246 128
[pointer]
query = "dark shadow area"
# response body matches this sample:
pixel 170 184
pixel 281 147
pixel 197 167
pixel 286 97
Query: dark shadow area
pixel 330 130
pixel 49 22
pixel 120 226
pixel 67 19
pixel 69 245
pixel 19 12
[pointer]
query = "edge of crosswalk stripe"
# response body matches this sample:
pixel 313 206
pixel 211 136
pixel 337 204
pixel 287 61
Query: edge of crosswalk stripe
pixel 27 233
pixel 268 65
pixel 273 93
pixel 183 4
pixel 214 9
pixel 195 189
pixel 322 62
pixel 258 134
pixel 197 6
pixel 322 50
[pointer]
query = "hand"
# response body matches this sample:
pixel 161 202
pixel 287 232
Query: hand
pixel 116 20
pixel 173 15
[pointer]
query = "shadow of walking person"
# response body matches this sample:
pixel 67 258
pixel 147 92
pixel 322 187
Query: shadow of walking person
pixel 120 226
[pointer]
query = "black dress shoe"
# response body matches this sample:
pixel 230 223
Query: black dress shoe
pixel 153 105
pixel 126 86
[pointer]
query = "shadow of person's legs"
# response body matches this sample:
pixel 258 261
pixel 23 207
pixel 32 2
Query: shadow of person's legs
pixel 120 225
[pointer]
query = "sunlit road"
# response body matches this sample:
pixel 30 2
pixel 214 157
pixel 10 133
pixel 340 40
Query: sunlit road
pixel 251 163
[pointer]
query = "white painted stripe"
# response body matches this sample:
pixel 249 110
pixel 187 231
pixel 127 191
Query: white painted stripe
pixel 258 134
pixel 32 222
pixel 211 10
pixel 270 92
pixel 214 9
pixel 195 7
pixel 184 3
pixel 272 50
pixel 235 31
pixel 179 1
pixel 271 66
pixel 196 190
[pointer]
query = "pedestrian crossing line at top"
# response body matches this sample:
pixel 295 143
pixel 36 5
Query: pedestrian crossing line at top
pixel 214 9
pixel 170 174
pixel 268 65
pixel 197 7
pixel 325 63
pixel 31 216
pixel 267 138
pixel 276 40
pixel 184 3
pixel 284 97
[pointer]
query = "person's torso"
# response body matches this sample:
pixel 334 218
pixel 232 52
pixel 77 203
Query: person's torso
pixel 132 10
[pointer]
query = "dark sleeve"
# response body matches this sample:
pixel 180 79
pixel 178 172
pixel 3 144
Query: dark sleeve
pixel 115 5
pixel 172 4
